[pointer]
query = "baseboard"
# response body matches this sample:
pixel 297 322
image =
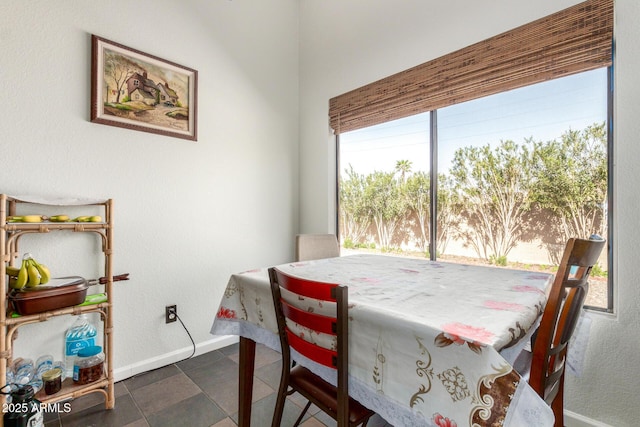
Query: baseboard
pixel 175 356
pixel 571 419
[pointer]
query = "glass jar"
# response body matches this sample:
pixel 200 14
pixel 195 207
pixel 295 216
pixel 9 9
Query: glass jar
pixel 89 365
pixel 52 380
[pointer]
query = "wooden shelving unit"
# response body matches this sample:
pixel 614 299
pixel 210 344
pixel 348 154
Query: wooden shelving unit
pixel 10 235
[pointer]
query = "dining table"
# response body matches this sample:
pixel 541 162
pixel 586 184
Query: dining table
pixel 431 343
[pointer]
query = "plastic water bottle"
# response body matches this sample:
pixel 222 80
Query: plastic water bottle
pixel 43 364
pixel 24 371
pixel 80 335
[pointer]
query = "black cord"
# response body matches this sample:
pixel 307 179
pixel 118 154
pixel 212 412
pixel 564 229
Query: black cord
pixel 190 337
pixel 182 360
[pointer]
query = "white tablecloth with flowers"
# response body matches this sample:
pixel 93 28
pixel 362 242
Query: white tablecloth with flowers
pixel 430 343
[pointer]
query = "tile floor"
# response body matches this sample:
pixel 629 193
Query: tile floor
pixel 202 391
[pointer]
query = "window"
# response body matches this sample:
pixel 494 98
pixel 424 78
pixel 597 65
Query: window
pixel 517 173
pixel 385 176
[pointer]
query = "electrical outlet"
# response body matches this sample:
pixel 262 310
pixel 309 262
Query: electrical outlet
pixel 170 314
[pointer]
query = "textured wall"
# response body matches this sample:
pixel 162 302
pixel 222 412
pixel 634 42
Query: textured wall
pixel 188 214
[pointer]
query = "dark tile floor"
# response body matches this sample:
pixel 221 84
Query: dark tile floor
pixel 202 391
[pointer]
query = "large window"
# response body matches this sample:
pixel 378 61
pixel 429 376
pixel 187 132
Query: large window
pixel 501 180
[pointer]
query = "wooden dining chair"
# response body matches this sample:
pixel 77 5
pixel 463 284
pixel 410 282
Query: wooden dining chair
pixel 544 366
pixel 334 400
pixel 316 246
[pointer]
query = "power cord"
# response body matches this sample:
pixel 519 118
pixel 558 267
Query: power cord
pixel 193 343
pixel 190 337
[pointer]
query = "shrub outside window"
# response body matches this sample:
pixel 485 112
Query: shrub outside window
pixel 517 174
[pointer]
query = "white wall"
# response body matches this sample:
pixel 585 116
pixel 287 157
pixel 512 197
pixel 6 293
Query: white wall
pixel 188 214
pixel 346 44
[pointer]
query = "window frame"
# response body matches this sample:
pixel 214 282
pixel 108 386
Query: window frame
pixel 433 149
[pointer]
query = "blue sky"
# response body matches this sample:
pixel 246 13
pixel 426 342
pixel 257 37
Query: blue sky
pixel 543 111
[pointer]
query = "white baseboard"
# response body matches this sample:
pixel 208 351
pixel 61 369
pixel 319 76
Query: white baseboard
pixel 571 419
pixel 175 356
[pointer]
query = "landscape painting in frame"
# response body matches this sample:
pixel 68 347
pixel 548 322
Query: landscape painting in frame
pixel 138 91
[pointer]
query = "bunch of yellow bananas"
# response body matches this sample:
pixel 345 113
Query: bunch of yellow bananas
pixel 30 274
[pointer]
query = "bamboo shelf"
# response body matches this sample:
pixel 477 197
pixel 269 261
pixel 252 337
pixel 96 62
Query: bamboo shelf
pixel 10 235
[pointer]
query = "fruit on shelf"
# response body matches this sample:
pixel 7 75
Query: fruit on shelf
pixel 30 274
pixel 34 275
pixel 23 276
pixel 12 271
pixel 54 218
pixel 12 282
pixel 25 218
pixel 43 270
pixel 86 218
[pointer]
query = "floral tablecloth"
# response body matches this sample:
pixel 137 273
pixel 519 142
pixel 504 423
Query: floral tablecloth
pixel 430 343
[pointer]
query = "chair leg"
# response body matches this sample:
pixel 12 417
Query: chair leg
pixel 557 405
pixel 279 409
pixel 304 411
pixel 557 412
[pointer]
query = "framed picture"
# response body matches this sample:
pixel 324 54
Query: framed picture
pixel 138 91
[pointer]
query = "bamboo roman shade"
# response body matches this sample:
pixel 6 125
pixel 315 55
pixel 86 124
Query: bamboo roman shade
pixel 573 40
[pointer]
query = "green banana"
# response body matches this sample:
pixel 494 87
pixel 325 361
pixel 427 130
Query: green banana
pixel 45 275
pixel 12 271
pixel 85 218
pixel 59 218
pixel 34 274
pixel 23 276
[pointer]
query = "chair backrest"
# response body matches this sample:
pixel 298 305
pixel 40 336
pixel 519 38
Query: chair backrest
pixel 560 316
pixel 316 246
pixel 287 292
